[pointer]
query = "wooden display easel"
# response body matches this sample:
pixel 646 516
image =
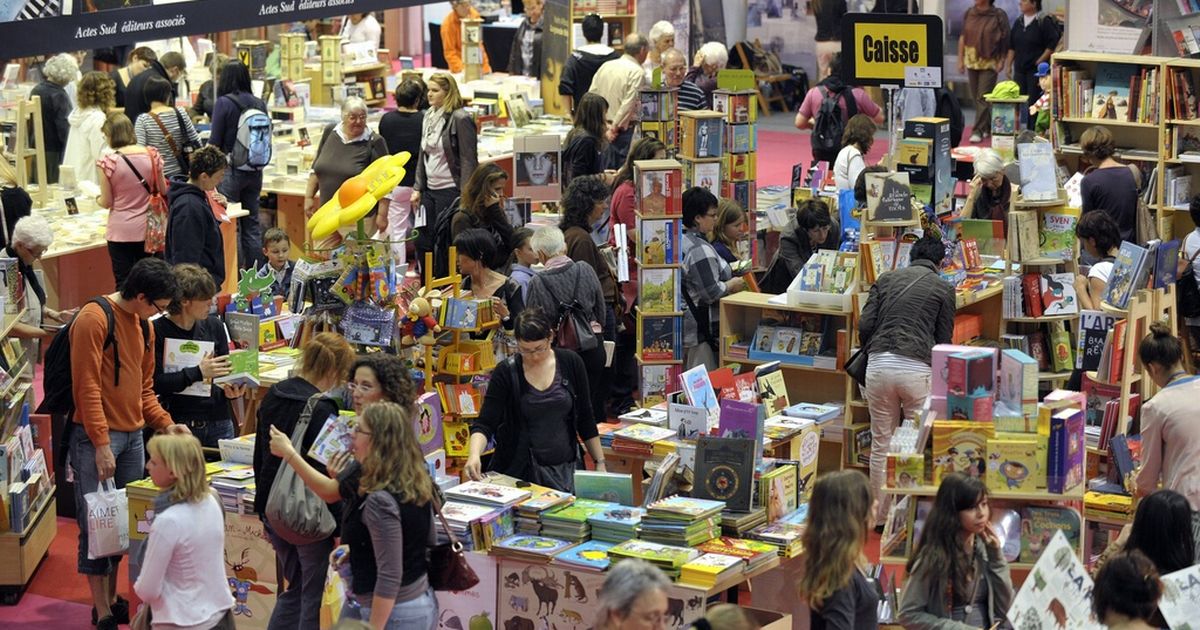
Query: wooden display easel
pixel 1137 323
pixel 29 116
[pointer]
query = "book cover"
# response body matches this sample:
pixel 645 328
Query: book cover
pixel 1058 232
pixel 1121 284
pixel 970 373
pixel 658 291
pixel 592 554
pixel 537 545
pixel 771 388
pixel 1058 294
pixel 1039 524
pixel 487 493
pixel 914 151
pixel 698 390
pixel 777 491
pixel 663 555
pixel 243 330
pixel 687 507
pixel 738 547
pixel 701 137
pixel 1096 395
pixel 894 540
pixel 660 189
pixel 428 422
pixel 659 241
pixel 740 419
pixel 1018 387
pixel 725 471
pixel 1038 170
pixel 179 354
pixel 687 421
pixel 656 382
pixel 709 567
pixel 889 197
pixel 604 486
pixel 1065 461
pixel 1012 463
pixel 1180 602
pixel 1039 350
pixel 1166 268
pixel 905 470
pixel 1111 96
pixel 643 433
pixel 460 314
pixel 1031 286
pixel 705 175
pixel 960 446
pixel 243 369
pixel 1060 347
pixel 336 436
pixel 1061 587
pixel 661 338
pixel 787 340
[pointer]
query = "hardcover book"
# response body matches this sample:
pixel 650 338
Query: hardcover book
pixel 1063 590
pixel 1122 284
pixel 725 471
pixel 644 433
pixel 771 387
pixel 889 197
pixel 687 421
pixel 658 291
pixel 1038 170
pixel 604 486
pixel 661 555
pixel 659 241
pixel 659 187
pixel 698 390
pixel 960 446
pixel 429 422
pixel 740 419
pixel 777 491
pixel 1065 466
pixel 1013 463
pixel 1038 525
pixel 535 545
pixel 1111 95
pixel 1058 294
pixel 1058 232
pixel 592 554
pixel 661 338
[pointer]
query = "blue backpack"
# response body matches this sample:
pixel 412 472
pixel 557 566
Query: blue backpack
pixel 252 145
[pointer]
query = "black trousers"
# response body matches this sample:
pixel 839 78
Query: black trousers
pixel 124 256
pixel 435 202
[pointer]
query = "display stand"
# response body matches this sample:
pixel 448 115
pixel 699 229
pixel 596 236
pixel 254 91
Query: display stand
pixel 1138 317
pixel 29 117
pixel 659 116
pixel 1005 125
pixel 472 39
pixel 740 168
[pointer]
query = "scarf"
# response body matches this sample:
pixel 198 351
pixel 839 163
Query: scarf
pixel 163 502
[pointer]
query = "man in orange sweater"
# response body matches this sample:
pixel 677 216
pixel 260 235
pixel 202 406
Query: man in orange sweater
pixel 113 389
pixel 452 44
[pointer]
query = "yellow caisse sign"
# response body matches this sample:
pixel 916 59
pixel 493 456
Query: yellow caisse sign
pixel 880 46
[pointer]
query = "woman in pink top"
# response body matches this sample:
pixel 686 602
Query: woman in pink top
pixel 123 190
pixel 623 207
pixel 1170 431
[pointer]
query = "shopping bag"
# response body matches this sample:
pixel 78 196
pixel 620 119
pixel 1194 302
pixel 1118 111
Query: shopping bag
pixel 333 598
pixel 107 520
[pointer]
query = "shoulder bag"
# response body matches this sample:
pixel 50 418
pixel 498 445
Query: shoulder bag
pixel 574 330
pixel 448 567
pixel 856 365
pixel 294 512
pixel 156 207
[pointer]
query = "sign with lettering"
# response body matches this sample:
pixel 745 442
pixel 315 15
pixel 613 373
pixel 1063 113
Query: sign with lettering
pixel 878 47
pixel 34 28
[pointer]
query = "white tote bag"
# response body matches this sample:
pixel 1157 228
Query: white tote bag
pixel 108 521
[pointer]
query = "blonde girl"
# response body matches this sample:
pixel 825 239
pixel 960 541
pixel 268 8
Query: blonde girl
pixel 731 226
pixel 834 584
pixel 386 523
pixel 183 575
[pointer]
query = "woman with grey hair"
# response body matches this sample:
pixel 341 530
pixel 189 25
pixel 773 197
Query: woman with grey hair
pixel 662 39
pixel 346 148
pixel 634 596
pixel 31 237
pixel 991 191
pixel 59 71
pixel 709 60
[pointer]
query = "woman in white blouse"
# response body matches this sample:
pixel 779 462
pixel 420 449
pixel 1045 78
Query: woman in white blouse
pixel 857 139
pixel 86 143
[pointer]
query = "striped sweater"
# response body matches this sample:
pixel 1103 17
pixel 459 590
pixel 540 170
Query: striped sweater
pixel 149 134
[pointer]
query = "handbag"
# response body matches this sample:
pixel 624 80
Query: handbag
pixel 448 567
pixel 155 241
pixel 574 331
pixel 182 156
pixel 856 364
pixel 294 512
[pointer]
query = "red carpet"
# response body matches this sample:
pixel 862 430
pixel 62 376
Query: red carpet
pixel 778 151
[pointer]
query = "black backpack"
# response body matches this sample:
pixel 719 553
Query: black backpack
pixel 442 240
pixel 58 397
pixel 829 124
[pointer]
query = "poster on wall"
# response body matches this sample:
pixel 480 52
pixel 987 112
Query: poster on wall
pixel 537 162
pixel 677 12
pixel 556 48
pixel 1108 26
pixel 786 28
pixel 708 22
pixel 956 11
pixel 34 27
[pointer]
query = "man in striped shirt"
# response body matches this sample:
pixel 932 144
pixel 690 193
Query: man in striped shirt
pixel 691 97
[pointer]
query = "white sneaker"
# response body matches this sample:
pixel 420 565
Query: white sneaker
pixel 975 138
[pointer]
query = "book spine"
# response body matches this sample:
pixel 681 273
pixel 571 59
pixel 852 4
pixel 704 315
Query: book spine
pixel 1056 472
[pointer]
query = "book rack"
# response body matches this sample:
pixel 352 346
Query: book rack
pixel 31 148
pixel 1137 323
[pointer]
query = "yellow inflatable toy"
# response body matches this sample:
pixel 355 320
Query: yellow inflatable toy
pixel 357 195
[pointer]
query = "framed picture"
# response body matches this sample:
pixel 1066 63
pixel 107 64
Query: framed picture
pixel 537 162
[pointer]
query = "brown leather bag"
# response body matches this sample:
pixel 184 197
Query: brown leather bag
pixel 448 568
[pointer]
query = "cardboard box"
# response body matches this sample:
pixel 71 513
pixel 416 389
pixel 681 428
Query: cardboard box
pixel 769 619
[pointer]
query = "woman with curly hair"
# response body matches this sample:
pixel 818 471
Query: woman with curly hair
pixel 857 139
pixel 86 143
pixel 584 202
pixel 482 206
pixel 387 523
pixel 834 583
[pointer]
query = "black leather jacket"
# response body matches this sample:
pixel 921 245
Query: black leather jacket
pixel 923 316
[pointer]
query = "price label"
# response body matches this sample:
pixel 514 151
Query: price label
pixel 922 77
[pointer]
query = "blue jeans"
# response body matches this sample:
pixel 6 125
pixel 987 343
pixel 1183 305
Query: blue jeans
pixel 418 613
pixel 245 187
pixel 130 455
pixel 304 568
pixel 209 431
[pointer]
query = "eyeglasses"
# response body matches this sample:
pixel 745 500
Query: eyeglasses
pixel 359 431
pixel 357 117
pixel 534 352
pixel 353 387
pixel 160 308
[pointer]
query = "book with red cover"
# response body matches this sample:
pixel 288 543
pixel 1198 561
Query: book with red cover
pixel 1039 350
pixel 1117 357
pixel 1031 284
pixel 722 381
pixel 1097 394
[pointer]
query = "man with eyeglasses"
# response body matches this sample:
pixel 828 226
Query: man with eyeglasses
pixel 113 389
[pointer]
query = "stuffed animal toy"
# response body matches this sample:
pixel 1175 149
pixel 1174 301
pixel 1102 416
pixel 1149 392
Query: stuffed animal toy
pixel 419 324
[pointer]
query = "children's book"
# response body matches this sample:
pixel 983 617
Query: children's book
pixel 1093 329
pixel 709 569
pixel 777 491
pixel 698 390
pixel 1058 232
pixel 179 354
pixel 661 555
pixel 687 421
pixel 1180 601
pixel 1166 268
pixel 487 493
pixel 1122 284
pixel 660 239
pixel 1013 463
pixel 771 387
pixel 1058 587
pixel 739 419
pixel 1039 179
pixel 533 545
pixel 658 291
pixel 1065 464
pixel 336 436
pixel 889 197
pixel 661 338
pixel 1058 294
pixel 960 446
pixel 644 433
pixel 1039 524
pixel 243 369
pixel 592 554
pixel 685 508
pixel 725 471
pixel 429 422
pixel 604 486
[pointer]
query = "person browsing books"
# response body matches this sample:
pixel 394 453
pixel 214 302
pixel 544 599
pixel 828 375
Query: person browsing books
pixel 476 247
pixel 1126 593
pixel 1109 185
pixel 1101 240
pixel 730 228
pixel 706 279
pixel 535 407
pixel 991 192
pixel 958 578
pixel 324 362
pixel 187 389
pixel 1162 530
pixel 1170 434
pixel 811 229
pixel 834 584
pixel 857 139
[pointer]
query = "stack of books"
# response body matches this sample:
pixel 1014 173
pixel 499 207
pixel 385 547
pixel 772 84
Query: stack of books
pixel 592 554
pixel 739 523
pixel 682 521
pixel 484 493
pixel 669 559
pixel 753 552
pixel 532 549
pixel 709 569
pixel 639 439
pixel 616 525
pixel 231 484
pixel 529 511
pixel 571 522
pixel 1102 505
pixel 784 536
pixel 461 516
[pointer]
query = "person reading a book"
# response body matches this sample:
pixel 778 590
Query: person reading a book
pixel 476 248
pixel 908 311
pixel 191 349
pixel 1170 433
pixel 1100 238
pixel 991 192
pixel 388 523
pixel 1162 530
pixel 812 228
pixel 1126 593
pixel 958 578
pixel 729 230
pixel 535 408
pixel 182 576
pixel 633 597
pixel 324 362
pixel 1109 185
pixel 835 586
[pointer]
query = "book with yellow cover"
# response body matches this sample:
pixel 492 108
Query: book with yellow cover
pixel 915 151
pixel 777 491
pixel 709 569
pixel 960 446
pixel 1013 463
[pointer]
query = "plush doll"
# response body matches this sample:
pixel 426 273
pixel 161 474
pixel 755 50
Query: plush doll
pixel 419 324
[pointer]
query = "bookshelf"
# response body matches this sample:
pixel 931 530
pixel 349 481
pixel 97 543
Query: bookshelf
pixel 620 18
pixel 1181 148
